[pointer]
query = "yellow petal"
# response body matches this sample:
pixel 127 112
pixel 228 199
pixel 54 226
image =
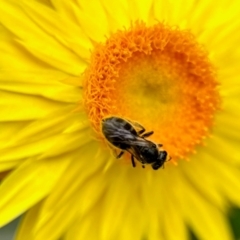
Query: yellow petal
pixel 46 145
pixel 47 2
pixel 82 228
pixel 53 228
pixel 64 31
pixel 142 9
pixel 36 41
pixel 213 221
pixel 88 12
pixel 25 230
pixel 45 83
pixel 230 187
pixel 68 142
pixel 28 184
pixel 173 226
pixel 228 130
pixel 78 187
pixel 131 227
pixel 18 107
pixel 194 171
pixel 115 215
pixel 74 182
pixel 220 13
pixel 169 11
pixel 9 129
pixel 12 52
pixel 85 14
pixel 224 30
pixel 55 56
pixel 5 166
pixel 56 123
pixel 117 19
pixel 67 10
pixel 136 231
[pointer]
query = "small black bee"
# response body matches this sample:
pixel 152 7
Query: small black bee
pixel 122 134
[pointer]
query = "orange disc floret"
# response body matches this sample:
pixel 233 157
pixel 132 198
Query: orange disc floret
pixel 158 76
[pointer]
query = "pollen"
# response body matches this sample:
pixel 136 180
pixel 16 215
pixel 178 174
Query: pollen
pixel 158 76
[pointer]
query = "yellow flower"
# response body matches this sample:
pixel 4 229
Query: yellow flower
pixel 66 65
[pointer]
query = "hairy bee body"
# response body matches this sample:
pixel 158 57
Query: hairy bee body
pixel 123 134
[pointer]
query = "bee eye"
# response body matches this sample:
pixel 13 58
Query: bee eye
pixel 156 165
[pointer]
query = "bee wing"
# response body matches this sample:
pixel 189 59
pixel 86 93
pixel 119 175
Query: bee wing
pixel 134 145
pixel 140 142
pixel 132 141
pixel 135 153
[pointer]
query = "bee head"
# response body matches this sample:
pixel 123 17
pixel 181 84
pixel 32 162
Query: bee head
pixel 156 165
pixel 160 160
pixel 162 156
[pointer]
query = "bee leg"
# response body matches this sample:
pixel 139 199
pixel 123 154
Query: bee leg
pixel 120 154
pixel 143 166
pixel 141 131
pixel 115 152
pixel 147 134
pixel 160 145
pixel 133 162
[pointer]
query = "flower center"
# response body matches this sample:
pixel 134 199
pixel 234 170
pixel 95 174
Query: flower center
pixel 159 77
